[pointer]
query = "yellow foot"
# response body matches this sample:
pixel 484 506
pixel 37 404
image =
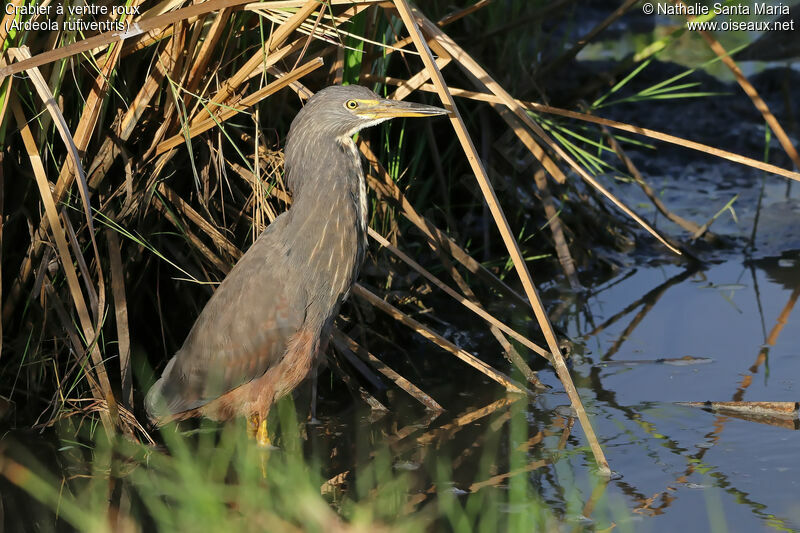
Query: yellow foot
pixel 263 442
pixel 262 437
pixel 264 454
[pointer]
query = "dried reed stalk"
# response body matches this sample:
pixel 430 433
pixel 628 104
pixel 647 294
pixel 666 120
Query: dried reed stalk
pixel 459 298
pixel 499 217
pixel 688 225
pixel 426 332
pixel 438 239
pixel 471 68
pixel 199 126
pixel 109 418
pixel 414 391
pixel 751 92
pixel 121 316
pixel 647 132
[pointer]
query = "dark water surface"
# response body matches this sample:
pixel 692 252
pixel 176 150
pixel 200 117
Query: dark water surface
pixel 658 336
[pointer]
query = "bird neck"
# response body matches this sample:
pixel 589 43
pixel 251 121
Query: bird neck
pixel 329 211
pixel 323 171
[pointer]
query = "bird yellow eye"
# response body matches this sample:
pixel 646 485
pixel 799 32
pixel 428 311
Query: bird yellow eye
pixel 351 104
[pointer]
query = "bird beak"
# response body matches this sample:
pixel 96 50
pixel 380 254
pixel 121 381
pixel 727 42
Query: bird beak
pixel 385 109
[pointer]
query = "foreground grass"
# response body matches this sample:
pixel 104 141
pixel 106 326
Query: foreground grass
pixel 216 479
pixel 208 479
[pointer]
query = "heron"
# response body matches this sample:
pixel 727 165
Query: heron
pixel 262 331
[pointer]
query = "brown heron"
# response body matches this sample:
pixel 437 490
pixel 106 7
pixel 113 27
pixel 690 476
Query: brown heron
pixel 260 333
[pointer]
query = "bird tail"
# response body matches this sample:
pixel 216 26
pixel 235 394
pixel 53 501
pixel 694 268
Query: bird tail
pixel 164 406
pixel 155 403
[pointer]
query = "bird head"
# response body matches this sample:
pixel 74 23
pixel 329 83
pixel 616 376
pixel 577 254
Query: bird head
pixel 345 110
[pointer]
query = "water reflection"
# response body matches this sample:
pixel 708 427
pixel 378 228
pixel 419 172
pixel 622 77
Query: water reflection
pixel 687 451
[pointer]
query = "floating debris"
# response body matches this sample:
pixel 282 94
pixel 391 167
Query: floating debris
pixel 686 360
pixel 782 414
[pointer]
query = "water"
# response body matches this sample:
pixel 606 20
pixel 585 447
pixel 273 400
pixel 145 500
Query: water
pixel 728 332
pixel 681 464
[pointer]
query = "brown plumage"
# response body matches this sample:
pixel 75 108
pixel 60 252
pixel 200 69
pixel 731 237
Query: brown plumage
pixel 260 333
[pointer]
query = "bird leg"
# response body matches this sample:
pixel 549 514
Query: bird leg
pixel 257 429
pixel 262 437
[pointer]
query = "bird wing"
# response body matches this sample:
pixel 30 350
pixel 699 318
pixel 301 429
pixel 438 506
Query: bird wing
pixel 242 331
